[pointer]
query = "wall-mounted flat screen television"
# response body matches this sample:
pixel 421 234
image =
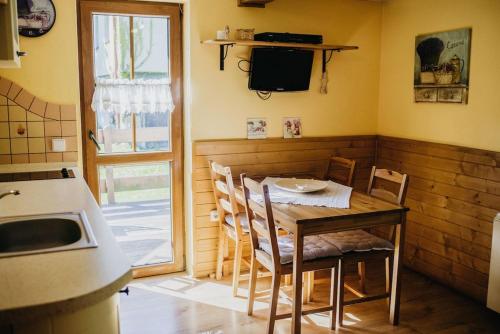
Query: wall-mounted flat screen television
pixel 280 69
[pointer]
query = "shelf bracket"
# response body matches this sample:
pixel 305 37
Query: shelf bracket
pixel 325 60
pixel 323 68
pixel 223 50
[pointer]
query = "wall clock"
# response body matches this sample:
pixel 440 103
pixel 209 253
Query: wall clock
pixel 35 17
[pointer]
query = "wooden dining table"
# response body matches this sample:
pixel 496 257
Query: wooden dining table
pixel 364 212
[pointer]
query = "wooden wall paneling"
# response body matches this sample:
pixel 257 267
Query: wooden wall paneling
pixel 453 196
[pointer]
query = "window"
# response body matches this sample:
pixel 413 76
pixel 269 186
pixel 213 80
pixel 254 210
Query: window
pixel 132 97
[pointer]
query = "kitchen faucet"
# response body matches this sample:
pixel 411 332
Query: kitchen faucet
pixel 10 192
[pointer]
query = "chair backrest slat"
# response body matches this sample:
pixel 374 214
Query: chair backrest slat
pixel 222 187
pixel 389 175
pixel 260 229
pixel 385 195
pixel 263 210
pixel 226 205
pixel 347 175
pixel 217 168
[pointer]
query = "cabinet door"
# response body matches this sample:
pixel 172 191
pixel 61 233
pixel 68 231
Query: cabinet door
pixel 9 37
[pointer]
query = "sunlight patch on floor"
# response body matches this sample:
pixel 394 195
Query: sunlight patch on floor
pixel 210 293
pixel 219 294
pixel 352 318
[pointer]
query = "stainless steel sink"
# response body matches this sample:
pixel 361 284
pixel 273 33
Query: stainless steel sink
pixel 28 235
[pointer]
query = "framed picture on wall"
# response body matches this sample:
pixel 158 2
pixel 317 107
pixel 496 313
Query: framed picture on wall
pixel 442 62
pixel 35 17
pixel 256 128
pixel 292 127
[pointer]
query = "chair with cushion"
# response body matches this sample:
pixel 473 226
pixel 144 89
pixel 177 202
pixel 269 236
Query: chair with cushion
pixel 340 170
pixel 359 246
pixel 233 223
pixel 275 252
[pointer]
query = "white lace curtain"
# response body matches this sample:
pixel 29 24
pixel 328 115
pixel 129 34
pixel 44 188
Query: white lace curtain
pixel 138 96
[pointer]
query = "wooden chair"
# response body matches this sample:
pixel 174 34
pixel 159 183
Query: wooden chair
pixel 388 177
pixel 233 222
pixel 343 170
pixel 268 251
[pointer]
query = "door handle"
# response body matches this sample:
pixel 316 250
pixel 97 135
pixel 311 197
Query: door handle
pixel 94 140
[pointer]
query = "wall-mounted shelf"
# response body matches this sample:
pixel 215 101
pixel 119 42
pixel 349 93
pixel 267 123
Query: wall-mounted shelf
pixel 225 44
pixel 252 3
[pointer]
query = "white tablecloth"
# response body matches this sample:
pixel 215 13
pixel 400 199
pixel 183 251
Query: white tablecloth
pixel 334 196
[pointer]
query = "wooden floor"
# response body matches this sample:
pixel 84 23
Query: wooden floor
pixel 180 304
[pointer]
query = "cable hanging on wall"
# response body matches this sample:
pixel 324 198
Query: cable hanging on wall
pixel 242 69
pixel 324 77
pixel 264 95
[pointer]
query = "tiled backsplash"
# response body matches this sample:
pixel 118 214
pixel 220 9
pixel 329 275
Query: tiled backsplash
pixel 28 125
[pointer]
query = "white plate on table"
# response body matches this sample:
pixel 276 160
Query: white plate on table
pixel 300 185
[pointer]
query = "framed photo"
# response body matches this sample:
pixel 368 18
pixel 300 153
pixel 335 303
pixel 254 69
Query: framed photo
pixel 442 61
pixel 35 17
pixel 256 128
pixel 292 127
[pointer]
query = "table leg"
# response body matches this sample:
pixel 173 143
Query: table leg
pixel 339 312
pixel 297 280
pixel 396 273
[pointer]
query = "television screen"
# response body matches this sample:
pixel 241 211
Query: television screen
pixel 280 69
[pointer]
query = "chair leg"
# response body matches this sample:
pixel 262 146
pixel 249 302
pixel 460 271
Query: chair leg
pixel 333 298
pixel 388 277
pixel 311 287
pixel 226 245
pixel 340 295
pixel 362 276
pixel 274 303
pixel 238 253
pixel 305 288
pixel 252 284
pixel 288 280
pixel 220 255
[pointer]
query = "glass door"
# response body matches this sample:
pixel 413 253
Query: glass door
pixel 131 73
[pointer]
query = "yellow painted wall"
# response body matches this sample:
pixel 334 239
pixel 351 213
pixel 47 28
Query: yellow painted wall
pixel 50 70
pixel 476 124
pixel 221 101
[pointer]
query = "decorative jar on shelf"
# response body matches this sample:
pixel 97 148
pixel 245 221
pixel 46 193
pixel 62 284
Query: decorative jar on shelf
pixel 245 34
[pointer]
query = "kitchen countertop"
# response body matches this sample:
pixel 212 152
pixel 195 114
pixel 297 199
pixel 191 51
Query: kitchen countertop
pixel 41 285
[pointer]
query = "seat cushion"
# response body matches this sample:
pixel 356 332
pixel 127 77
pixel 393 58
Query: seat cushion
pixel 243 221
pixel 314 248
pixel 357 241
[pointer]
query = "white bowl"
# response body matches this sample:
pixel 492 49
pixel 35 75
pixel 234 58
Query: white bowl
pixel 301 185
